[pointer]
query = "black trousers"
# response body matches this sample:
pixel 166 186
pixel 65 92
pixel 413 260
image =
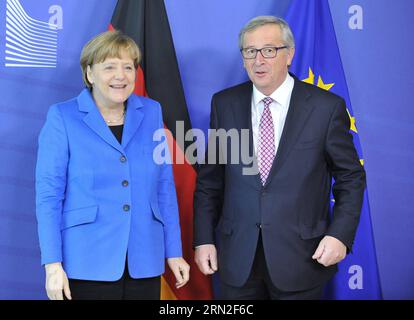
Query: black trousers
pixel 125 288
pixel 259 285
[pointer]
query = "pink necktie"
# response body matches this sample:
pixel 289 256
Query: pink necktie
pixel 266 152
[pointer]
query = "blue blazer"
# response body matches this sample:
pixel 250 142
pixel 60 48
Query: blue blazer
pixel 97 200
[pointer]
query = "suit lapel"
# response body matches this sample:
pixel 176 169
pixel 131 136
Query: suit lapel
pixel 133 119
pixel 299 111
pixel 93 119
pixel 242 111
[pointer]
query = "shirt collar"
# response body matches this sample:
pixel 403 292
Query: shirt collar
pixel 281 95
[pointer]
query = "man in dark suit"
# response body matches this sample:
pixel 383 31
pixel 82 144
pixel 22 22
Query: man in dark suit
pixel 275 236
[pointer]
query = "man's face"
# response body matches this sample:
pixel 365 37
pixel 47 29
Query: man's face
pixel 267 74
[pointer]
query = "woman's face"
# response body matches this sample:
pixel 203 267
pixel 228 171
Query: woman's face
pixel 113 80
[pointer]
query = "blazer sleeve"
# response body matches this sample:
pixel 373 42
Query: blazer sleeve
pixel 348 174
pixel 51 171
pixel 208 196
pixel 167 202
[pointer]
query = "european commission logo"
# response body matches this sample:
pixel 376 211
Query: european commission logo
pixel 29 42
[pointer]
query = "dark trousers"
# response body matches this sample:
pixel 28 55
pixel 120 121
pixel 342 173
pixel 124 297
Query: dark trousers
pixel 125 288
pixel 259 285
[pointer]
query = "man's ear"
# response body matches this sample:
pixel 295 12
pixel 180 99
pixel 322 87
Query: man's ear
pixel 291 53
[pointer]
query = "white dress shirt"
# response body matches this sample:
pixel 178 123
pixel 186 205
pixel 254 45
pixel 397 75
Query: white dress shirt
pixel 278 108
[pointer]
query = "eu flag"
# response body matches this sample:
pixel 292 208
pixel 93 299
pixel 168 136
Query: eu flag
pixel 317 61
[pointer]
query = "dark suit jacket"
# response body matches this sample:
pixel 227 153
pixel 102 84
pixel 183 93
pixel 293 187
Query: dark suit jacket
pixel 292 208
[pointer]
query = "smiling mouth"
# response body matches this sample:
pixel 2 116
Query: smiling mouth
pixel 118 86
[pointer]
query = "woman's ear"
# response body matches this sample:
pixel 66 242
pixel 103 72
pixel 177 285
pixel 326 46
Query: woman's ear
pixel 89 74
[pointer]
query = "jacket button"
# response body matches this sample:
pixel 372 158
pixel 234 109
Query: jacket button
pixel 123 159
pixel 126 207
pixel 125 183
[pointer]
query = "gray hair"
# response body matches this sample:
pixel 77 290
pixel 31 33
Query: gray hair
pixel 260 21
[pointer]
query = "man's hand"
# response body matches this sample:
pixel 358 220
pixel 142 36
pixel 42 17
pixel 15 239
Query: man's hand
pixel 206 258
pixel 56 281
pixel 330 251
pixel 181 271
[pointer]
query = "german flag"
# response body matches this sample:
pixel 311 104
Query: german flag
pixel 159 78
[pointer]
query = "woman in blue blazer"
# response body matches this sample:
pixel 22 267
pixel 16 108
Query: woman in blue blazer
pixel 106 209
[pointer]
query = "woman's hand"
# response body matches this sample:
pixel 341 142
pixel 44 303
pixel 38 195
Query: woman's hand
pixel 181 271
pixel 56 281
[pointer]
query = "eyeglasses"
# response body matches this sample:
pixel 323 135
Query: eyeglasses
pixel 266 52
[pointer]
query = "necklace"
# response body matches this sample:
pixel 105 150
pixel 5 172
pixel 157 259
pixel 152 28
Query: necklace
pixel 116 120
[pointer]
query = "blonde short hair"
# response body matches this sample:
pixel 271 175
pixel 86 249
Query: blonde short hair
pixel 108 44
